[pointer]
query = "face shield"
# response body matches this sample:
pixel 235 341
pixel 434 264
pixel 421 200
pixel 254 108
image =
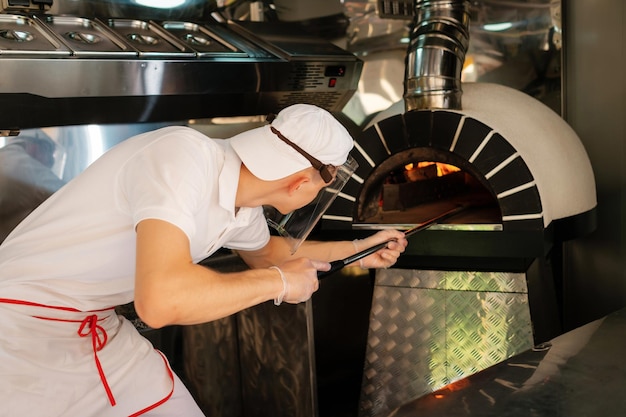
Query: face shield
pixel 297 225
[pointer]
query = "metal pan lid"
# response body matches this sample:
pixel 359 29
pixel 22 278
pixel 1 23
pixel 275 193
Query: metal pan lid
pixel 22 36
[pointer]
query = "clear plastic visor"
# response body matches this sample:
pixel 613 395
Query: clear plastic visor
pixel 297 225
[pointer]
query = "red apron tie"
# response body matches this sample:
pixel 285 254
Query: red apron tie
pixel 88 327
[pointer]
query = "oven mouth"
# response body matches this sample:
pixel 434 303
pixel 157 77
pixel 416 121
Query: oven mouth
pixel 415 185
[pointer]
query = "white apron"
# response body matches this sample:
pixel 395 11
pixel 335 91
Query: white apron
pixel 61 362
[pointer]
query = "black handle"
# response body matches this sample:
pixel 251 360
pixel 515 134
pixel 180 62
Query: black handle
pixel 334 266
pixel 337 265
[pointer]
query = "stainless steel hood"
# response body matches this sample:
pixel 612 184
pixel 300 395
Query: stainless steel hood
pixel 60 69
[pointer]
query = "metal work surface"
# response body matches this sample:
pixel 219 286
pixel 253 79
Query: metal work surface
pixel 580 373
pixel 430 328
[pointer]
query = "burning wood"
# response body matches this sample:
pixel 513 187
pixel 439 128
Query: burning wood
pixel 420 183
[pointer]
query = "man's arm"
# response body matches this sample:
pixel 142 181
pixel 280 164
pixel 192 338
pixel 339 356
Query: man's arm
pixel 171 289
pixel 278 251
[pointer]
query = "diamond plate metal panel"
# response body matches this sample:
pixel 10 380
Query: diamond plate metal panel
pixel 485 281
pixel 453 280
pixel 410 278
pixel 405 346
pixel 484 328
pixel 430 328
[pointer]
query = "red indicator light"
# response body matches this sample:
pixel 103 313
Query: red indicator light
pixel 332 82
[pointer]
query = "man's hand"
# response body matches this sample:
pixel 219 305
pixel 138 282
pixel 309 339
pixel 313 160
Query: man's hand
pixel 384 258
pixel 301 278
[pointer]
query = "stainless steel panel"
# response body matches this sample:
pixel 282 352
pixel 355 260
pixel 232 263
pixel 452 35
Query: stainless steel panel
pixel 288 40
pixel 594 44
pixel 514 43
pixel 136 71
pixel 258 362
pixel 430 328
pixel 277 360
pixel 212 366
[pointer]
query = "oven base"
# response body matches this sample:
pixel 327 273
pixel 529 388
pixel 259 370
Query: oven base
pixel 430 328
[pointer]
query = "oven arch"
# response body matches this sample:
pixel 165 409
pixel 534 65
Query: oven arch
pixel 484 153
pixel 532 160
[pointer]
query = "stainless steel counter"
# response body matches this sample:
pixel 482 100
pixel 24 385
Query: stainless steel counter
pixel 111 70
pixel 580 373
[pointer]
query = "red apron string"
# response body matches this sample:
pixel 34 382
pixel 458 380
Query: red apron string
pixel 31 304
pixel 88 327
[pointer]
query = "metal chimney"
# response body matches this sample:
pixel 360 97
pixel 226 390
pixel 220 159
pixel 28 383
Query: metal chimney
pixel 438 42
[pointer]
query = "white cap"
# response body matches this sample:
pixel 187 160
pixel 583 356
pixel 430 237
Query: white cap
pixel 313 129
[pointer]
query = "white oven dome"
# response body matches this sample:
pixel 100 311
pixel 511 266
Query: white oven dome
pixel 549 147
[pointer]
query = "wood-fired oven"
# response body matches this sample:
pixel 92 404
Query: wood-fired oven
pixel 486 285
pixel 528 186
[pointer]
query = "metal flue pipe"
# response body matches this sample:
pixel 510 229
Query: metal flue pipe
pixel 438 44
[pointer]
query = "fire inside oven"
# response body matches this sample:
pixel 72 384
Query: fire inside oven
pixel 418 184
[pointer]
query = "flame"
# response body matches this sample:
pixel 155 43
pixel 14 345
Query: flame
pixel 442 169
pixel 452 387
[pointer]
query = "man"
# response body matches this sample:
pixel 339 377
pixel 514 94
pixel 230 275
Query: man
pixel 133 226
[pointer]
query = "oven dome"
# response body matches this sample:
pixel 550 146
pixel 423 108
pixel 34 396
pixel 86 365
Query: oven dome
pixel 549 147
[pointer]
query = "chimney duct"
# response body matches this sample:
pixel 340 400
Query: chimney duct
pixel 438 43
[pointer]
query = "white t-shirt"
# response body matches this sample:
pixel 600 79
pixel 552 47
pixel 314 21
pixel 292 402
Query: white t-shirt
pixel 78 248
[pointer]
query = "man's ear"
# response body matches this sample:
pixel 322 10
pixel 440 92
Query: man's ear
pixel 296 183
